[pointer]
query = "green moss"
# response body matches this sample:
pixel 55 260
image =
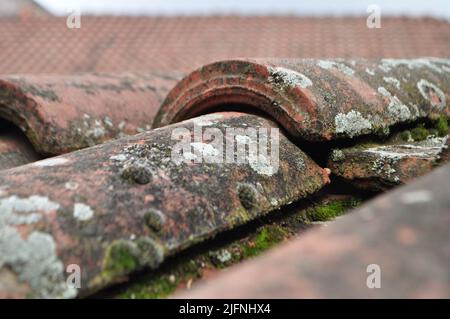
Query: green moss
pixel 120 259
pixel 266 238
pixel 162 284
pixel 331 210
pixel 405 136
pixel 419 133
pixel 437 127
pixel 155 289
pixel 169 277
pixel 441 126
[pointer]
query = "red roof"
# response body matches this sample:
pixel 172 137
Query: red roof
pixel 127 44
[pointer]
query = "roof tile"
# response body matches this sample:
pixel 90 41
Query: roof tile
pixel 129 199
pixel 64 113
pixel 145 44
pixel 400 232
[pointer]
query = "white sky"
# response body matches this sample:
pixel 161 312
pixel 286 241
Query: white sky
pixel 434 8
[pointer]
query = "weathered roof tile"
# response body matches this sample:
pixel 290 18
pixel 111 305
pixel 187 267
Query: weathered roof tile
pixel 318 100
pixel 399 236
pixel 381 166
pixel 65 113
pixel 128 199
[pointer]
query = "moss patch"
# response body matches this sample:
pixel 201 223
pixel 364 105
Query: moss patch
pixel 120 259
pixel 438 127
pixel 266 238
pixel 193 265
pixel 162 284
pixel 419 133
pixel 441 126
pixel 331 210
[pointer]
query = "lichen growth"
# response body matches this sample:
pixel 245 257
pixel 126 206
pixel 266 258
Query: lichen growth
pixel 137 172
pixel 35 262
pixel 432 93
pixel 125 256
pixel 154 219
pixel 121 258
pixel 352 124
pixel 327 65
pixel 337 155
pixel 186 269
pixel 247 196
pixel 288 78
pixel 82 212
pixel 397 110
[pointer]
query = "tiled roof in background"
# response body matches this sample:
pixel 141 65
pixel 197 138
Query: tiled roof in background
pixel 142 44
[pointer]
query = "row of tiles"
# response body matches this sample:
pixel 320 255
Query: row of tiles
pixel 125 205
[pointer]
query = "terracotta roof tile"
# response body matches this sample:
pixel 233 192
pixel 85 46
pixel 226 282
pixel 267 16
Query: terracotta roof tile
pixel 64 113
pixel 318 100
pixel 125 44
pixel 128 196
pixel 129 199
pixel 401 232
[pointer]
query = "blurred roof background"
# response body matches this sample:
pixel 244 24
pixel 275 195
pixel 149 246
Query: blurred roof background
pixel 33 41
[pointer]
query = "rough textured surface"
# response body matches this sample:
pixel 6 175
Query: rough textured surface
pixel 65 113
pixel 213 257
pixel 403 232
pixel 378 167
pixel 318 100
pixel 145 44
pixel 125 205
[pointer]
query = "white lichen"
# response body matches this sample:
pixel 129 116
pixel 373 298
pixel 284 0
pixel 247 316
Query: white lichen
pixel 392 81
pixel 121 125
pixel 274 202
pixel 262 165
pixel 397 110
pixel 18 211
pixel 119 157
pixel 82 212
pixel 96 129
pixel 34 261
pixel 223 256
pixel 327 65
pixel 207 120
pixel 71 186
pixel 370 71
pixel 108 122
pixel 337 155
pixel 205 149
pixel 387 64
pixel 352 124
pixel 428 148
pixel 425 86
pixel 288 77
